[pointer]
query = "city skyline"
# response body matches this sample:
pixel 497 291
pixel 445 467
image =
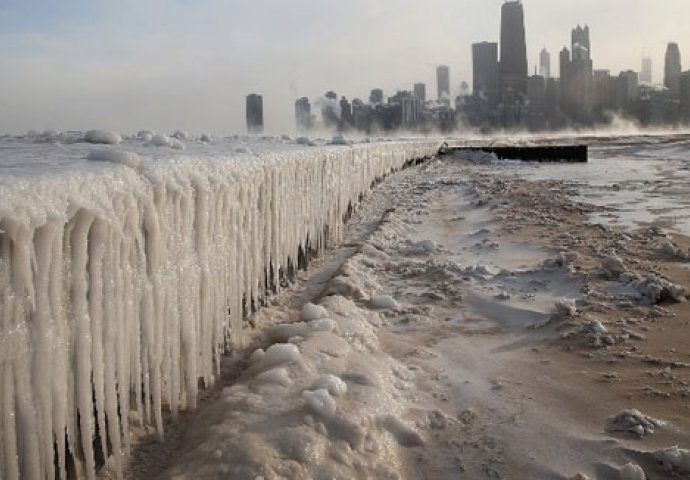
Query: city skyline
pixel 158 72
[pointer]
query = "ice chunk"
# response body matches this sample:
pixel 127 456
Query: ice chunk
pixel 102 136
pixel 565 308
pixel 674 459
pixel 129 159
pixel 276 376
pixel 634 421
pixel 275 355
pixel 320 402
pixel 597 327
pixel 404 435
pixel 612 266
pixel 160 140
pixel 426 246
pixel 312 312
pixel 333 384
pixel 383 302
pixel 180 135
pixel 632 472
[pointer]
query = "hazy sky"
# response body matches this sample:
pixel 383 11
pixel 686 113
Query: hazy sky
pixel 188 64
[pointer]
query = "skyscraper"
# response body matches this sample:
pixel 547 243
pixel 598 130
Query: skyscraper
pixel 577 76
pixel 485 71
pixel 672 69
pixel 419 91
pixel 545 64
pixel 255 113
pixel 513 50
pixel 646 72
pixel 303 114
pixel 443 82
pixel 376 96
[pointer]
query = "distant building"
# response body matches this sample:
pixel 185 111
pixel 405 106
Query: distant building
pixel 604 93
pixel 303 117
pixel 672 69
pixel 485 71
pixel 376 96
pixel 443 83
pixel 545 64
pixel 255 113
pixel 576 77
pixel 646 71
pixel 347 119
pixel 513 66
pixel 419 91
pixel 685 96
pixel 628 84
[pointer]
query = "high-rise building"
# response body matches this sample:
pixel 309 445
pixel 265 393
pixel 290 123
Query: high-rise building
pixel 646 72
pixel 255 113
pixel 376 96
pixel 419 91
pixel 576 77
pixel 684 89
pixel 628 84
pixel 485 71
pixel 545 64
pixel 513 66
pixel 303 114
pixel 443 83
pixel 672 69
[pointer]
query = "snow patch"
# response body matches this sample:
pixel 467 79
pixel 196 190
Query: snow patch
pixel 102 136
pixel 320 402
pixel 129 159
pixel 634 421
pixel 312 312
pixel 383 302
pixel 334 385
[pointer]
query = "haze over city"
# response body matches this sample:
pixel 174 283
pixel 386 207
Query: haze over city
pixel 168 65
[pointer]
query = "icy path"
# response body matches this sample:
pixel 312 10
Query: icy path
pixel 123 280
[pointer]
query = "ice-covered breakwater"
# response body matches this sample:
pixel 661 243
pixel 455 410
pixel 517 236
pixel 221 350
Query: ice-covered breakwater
pixel 123 280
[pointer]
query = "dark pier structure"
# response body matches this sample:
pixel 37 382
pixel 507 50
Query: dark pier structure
pixel 528 153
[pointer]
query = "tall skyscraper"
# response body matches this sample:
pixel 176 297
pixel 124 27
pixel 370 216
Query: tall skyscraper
pixel 672 69
pixel 443 82
pixel 255 113
pixel 646 71
pixel 545 64
pixel 419 91
pixel 485 71
pixel 513 50
pixel 577 76
pixel 303 114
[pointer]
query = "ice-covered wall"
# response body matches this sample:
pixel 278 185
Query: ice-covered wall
pixel 122 284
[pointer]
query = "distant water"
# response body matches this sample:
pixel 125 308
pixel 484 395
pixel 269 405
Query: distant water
pixel 639 179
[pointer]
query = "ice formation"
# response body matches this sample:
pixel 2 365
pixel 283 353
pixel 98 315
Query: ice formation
pixel 102 136
pixel 115 156
pixel 121 288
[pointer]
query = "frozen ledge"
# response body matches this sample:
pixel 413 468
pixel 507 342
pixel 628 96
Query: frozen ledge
pixel 120 288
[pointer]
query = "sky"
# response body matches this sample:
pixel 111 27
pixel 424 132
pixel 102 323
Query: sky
pixel 126 65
